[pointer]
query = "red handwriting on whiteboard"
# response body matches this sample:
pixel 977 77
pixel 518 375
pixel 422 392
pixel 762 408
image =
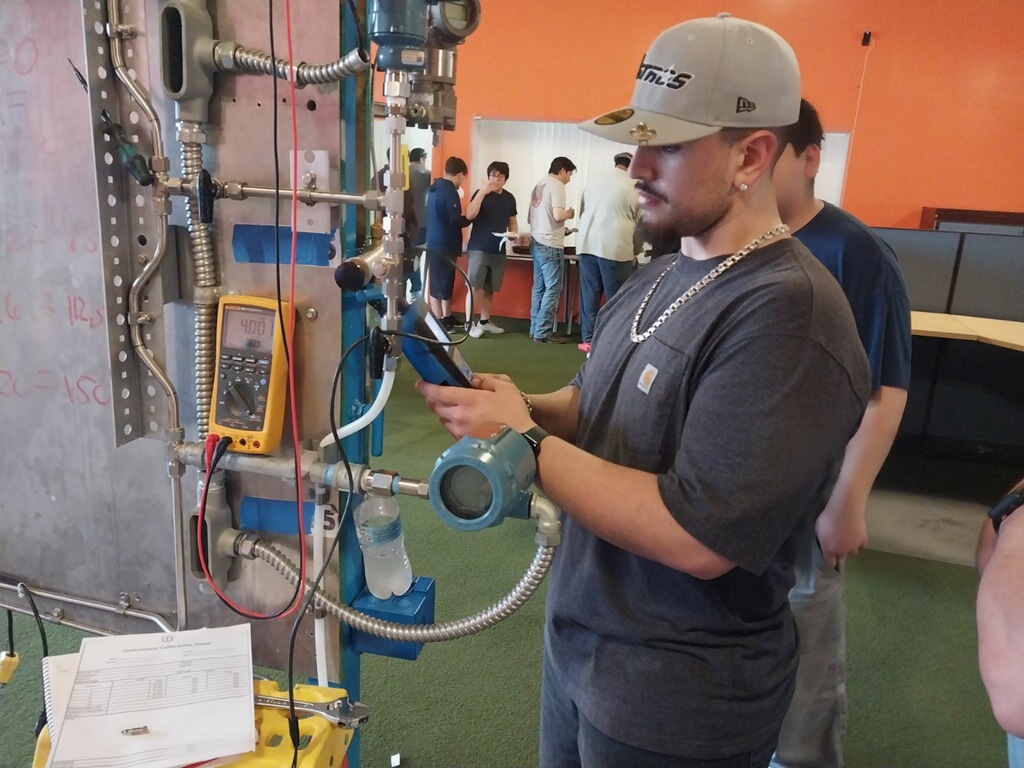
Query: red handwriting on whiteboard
pixel 21 238
pixel 79 312
pixel 79 389
pixel 25 58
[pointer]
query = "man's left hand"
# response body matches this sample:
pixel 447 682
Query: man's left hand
pixel 493 398
pixel 842 528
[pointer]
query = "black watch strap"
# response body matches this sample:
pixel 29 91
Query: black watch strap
pixel 1004 507
pixel 534 436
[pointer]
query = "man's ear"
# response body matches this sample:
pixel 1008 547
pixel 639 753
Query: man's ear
pixel 811 161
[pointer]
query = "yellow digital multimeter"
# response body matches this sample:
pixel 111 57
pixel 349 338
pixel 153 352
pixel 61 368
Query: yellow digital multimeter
pixel 249 392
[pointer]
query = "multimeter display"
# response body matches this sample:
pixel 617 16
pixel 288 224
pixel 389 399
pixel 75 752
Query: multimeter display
pixel 248 400
pixel 249 330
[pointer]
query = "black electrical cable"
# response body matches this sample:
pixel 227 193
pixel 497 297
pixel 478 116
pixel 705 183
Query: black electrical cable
pixel 439 342
pixel 24 591
pixel 359 26
pixel 293 636
pixel 10 631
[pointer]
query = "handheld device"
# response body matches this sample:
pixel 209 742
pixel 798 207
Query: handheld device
pixel 249 392
pixel 435 363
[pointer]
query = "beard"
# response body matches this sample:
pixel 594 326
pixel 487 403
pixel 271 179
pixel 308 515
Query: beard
pixel 668 223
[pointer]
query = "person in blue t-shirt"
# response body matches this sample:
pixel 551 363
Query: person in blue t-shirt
pixel 866 269
pixel 444 237
pixel 491 209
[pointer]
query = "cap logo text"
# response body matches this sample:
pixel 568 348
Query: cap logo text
pixel 665 76
pixel 745 105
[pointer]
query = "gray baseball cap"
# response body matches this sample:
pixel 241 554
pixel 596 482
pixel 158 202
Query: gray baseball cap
pixel 704 75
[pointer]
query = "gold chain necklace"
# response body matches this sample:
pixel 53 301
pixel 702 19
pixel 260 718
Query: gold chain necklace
pixel 634 332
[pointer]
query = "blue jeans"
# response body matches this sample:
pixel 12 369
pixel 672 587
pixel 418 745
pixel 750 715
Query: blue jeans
pixel 569 740
pixel 547 288
pixel 598 276
pixel 815 725
pixel 1015 751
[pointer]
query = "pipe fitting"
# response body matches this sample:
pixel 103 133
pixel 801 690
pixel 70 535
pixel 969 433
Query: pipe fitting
pixel 207 296
pixel 549 521
pixel 224 56
pixel 380 482
pixel 159 164
pixel 191 133
pixel 245 545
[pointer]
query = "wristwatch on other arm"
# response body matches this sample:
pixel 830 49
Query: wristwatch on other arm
pixel 1002 508
pixel 534 436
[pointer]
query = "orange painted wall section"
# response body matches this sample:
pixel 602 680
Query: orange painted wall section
pixel 941 109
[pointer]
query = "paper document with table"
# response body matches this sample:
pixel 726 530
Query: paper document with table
pixel 154 700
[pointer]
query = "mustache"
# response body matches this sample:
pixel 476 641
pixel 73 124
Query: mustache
pixel 647 190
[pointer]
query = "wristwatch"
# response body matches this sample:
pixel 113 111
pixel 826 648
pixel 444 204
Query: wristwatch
pixel 534 436
pixel 1002 508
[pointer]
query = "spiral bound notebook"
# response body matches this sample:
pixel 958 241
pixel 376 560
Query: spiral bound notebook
pixel 58 680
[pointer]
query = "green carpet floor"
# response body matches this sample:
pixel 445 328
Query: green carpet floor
pixel 915 697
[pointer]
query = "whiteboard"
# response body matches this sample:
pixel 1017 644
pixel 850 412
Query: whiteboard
pixel 529 147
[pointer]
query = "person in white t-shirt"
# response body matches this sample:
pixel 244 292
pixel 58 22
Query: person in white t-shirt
pixel 547 217
pixel 609 209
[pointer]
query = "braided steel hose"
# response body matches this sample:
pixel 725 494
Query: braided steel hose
pixel 205 266
pixel 418 633
pixel 259 63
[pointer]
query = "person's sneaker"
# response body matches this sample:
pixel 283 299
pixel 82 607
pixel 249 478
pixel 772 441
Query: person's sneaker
pixel 449 323
pixel 490 327
pixel 584 347
pixel 551 338
pixel 476 331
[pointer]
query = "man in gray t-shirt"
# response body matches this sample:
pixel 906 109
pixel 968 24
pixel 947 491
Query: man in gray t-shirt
pixel 546 217
pixel 698 442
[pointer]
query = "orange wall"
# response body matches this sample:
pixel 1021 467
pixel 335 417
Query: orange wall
pixel 941 115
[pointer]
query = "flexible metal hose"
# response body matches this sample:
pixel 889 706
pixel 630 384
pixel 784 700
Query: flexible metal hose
pixel 418 633
pixel 205 265
pixel 259 63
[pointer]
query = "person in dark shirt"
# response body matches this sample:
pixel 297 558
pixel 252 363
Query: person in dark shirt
pixel 444 237
pixel 419 186
pixel 491 209
pixel 867 271
pixel 700 439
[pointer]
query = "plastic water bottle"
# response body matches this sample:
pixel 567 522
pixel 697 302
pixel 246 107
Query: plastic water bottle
pixel 379 529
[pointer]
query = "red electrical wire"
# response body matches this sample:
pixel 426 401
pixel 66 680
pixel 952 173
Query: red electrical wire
pixel 291 298
pixel 211 447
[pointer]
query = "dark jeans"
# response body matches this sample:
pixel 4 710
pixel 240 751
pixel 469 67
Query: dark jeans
pixel 569 740
pixel 411 274
pixel 598 275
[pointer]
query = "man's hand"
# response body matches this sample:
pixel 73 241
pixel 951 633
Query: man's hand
pixel 570 213
pixel 493 398
pixel 842 528
pixel 490 186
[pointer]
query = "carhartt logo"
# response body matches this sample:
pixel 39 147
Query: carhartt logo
pixel 647 379
pixel 745 105
pixel 666 76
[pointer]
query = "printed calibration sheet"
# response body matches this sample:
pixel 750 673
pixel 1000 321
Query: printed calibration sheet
pixel 158 700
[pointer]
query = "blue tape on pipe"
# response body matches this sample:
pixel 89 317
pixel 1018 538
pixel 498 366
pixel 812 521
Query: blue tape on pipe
pixel 274 515
pixel 254 244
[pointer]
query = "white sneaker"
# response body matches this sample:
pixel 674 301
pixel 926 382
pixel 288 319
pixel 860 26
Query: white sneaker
pixel 476 331
pixel 490 327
